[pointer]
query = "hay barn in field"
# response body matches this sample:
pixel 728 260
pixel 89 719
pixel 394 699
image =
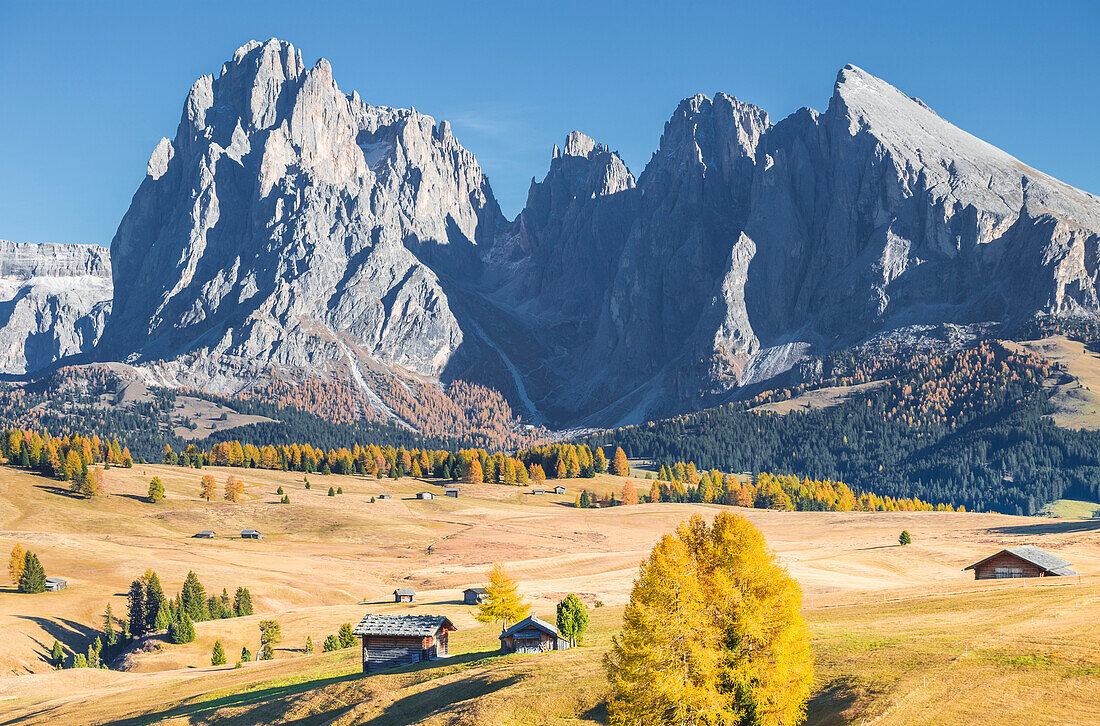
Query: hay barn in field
pixel 1025 561
pixel 403 594
pixel 451 492
pixel 390 641
pixel 474 595
pixel 532 635
pixel 53 584
pixel 251 534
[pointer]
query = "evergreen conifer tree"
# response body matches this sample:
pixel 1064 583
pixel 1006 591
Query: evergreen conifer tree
pixel 33 577
pixel 242 601
pixel 346 636
pixel 218 656
pixel 57 655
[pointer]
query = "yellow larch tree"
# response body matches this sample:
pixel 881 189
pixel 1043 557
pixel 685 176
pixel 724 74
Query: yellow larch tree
pixel 619 465
pixel 503 603
pixel 712 634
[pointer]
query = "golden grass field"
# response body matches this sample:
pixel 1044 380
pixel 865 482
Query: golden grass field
pixel 902 635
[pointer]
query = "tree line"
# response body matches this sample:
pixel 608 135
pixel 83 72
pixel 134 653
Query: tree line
pixel 970 428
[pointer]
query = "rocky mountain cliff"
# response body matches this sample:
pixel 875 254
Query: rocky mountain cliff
pixel 290 230
pixel 54 302
pixel 751 244
pixel 291 226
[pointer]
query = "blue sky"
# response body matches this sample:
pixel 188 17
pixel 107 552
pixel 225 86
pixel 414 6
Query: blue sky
pixel 87 89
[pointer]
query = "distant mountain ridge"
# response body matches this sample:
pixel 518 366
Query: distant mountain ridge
pixel 291 230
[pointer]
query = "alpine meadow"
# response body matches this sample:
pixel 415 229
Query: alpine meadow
pixel 746 420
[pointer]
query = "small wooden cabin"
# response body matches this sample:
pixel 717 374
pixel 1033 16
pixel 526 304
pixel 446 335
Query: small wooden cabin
pixel 538 491
pixel 390 641
pixel 1024 561
pixel 474 595
pixel 251 534
pixel 53 584
pixel 403 594
pixel 206 534
pixel 425 495
pixel 451 492
pixel 384 496
pixel 532 635
pixel 559 489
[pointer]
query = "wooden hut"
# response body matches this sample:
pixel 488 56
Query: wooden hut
pixel 538 491
pixel 403 594
pixel 474 595
pixel 451 492
pixel 425 495
pixel 206 534
pixel 251 534
pixel 559 489
pixel 532 635
pixel 390 641
pixel 384 496
pixel 53 584
pixel 1024 561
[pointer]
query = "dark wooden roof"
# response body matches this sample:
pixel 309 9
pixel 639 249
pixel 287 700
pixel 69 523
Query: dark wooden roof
pixel 532 622
pixel 404 591
pixel 1040 558
pixel 478 590
pixel 413 626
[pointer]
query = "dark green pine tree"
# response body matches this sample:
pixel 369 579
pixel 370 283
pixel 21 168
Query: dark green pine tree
pixel 193 598
pixel 218 656
pixel 57 655
pixel 154 601
pixel 109 635
pixel 33 578
pixel 242 602
pixel 346 636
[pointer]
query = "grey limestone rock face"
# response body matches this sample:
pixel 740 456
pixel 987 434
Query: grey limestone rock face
pixel 290 226
pixel 54 302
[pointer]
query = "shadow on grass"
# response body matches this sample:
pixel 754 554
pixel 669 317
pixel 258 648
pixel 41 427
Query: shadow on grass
pixel 415 707
pixel 59 491
pixel 69 633
pixel 259 697
pixel 1055 527
pixel 827 706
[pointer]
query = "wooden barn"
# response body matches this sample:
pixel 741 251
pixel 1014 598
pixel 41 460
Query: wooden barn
pixel 390 641
pixel 53 584
pixel 403 595
pixel 205 534
pixel 1024 561
pixel 474 595
pixel 532 635
pixel 451 492
pixel 425 495
pixel 559 489
pixel 251 534
pixel 384 496
pixel 538 491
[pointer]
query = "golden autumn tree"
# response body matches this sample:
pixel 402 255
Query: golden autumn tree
pixel 536 474
pixel 93 484
pixel 630 492
pixel 503 603
pixel 234 488
pixel 15 563
pixel 712 634
pixel 473 471
pixel 619 465
pixel 208 488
